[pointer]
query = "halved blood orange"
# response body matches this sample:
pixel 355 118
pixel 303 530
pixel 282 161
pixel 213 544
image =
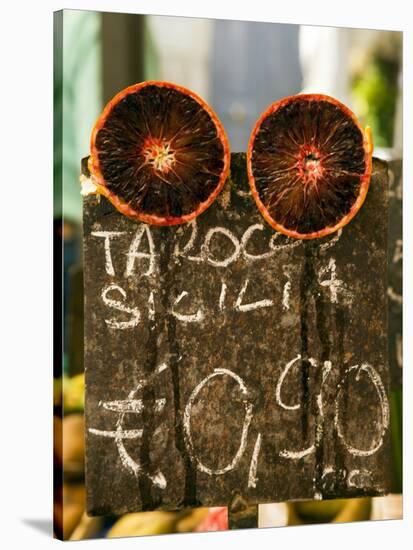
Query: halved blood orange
pixel 159 153
pixel 309 165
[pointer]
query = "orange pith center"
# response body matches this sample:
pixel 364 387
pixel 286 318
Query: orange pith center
pixel 309 164
pixel 159 154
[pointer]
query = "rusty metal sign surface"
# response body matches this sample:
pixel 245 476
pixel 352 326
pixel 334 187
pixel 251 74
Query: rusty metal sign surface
pixel 223 358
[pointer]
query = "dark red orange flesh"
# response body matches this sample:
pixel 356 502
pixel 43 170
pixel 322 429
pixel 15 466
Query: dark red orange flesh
pixel 159 153
pixel 309 165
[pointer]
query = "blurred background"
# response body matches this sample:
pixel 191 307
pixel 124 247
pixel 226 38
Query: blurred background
pixel 239 68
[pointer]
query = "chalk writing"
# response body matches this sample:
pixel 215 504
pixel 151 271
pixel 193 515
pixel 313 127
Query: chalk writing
pixel 205 251
pixel 383 422
pixel 222 296
pixel 134 405
pixel 108 235
pixel 120 306
pixel 331 242
pixel 130 405
pixel 358 478
pixel 239 306
pixel 247 421
pixel 184 311
pixel 280 382
pixel 134 253
pixel 187 317
pixel 252 475
pixel 286 295
pixel 151 306
pixel 333 283
pixel 328 277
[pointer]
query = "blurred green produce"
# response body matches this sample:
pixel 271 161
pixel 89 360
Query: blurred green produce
pixel 73 393
pixel 143 523
pixel 319 511
pixel 375 90
pixel 326 511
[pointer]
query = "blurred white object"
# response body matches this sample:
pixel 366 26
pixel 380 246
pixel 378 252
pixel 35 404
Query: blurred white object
pixel 324 61
pixel 183 45
pixel 87 187
pixel 388 507
pixel 273 515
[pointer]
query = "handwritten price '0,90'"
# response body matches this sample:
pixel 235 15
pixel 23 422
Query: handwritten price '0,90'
pixel 135 405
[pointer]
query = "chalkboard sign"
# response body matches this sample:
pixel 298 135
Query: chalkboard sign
pixel 223 358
